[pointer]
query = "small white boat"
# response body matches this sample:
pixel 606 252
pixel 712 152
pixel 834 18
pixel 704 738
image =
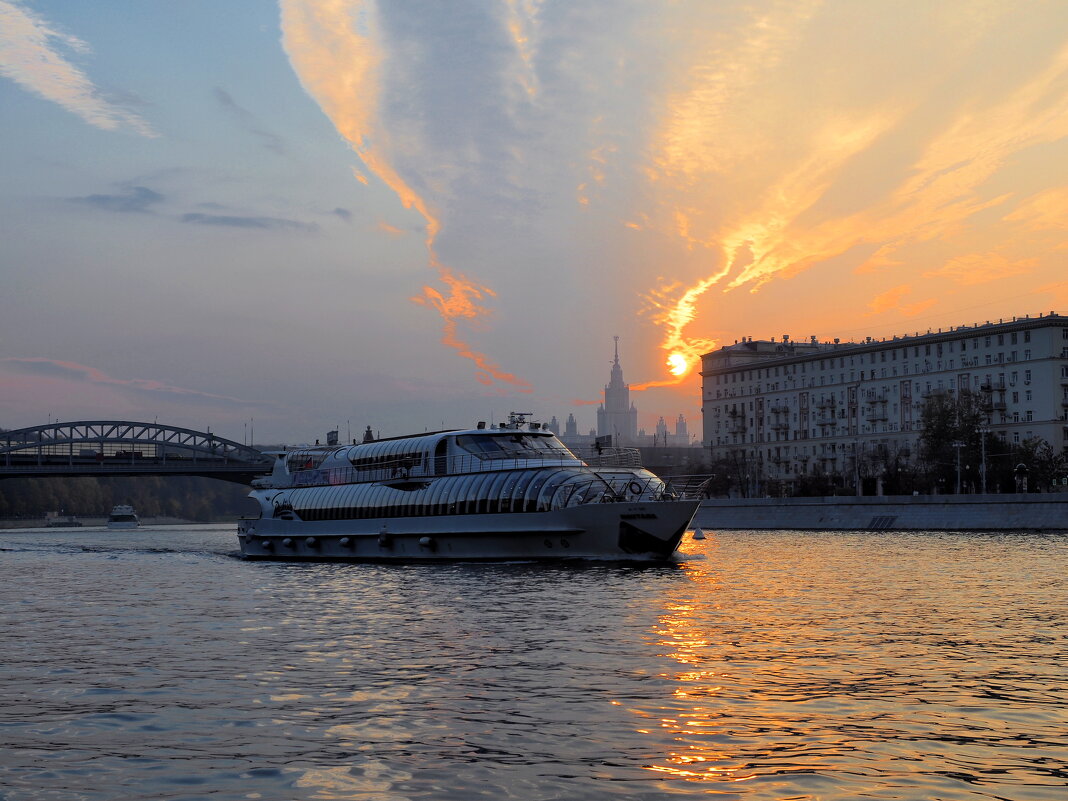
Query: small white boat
pixel 123 516
pixel 512 491
pixel 698 534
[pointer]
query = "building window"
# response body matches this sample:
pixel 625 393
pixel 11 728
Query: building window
pixel 1029 416
pixel 1012 337
pixel 1027 336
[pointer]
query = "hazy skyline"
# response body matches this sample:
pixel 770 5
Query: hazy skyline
pixel 409 215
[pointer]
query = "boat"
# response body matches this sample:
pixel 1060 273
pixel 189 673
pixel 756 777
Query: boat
pixel 55 520
pixel 122 516
pixel 503 492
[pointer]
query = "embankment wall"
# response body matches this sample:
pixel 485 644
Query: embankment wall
pixel 1045 512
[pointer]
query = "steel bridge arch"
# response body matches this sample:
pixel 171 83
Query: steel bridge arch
pixel 122 447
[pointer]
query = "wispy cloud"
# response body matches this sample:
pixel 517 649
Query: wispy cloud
pixel 891 300
pixel 131 199
pixel 337 50
pixel 29 56
pixel 251 123
pixel 981 268
pixel 234 221
pixel 769 200
pixel 71 371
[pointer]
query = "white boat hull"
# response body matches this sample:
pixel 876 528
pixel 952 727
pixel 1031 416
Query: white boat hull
pixel 629 530
pixel 121 524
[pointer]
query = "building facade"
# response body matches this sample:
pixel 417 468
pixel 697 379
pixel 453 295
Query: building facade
pixel 786 409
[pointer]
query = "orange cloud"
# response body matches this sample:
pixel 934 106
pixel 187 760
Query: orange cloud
pixel 789 206
pixel 1045 211
pixel 979 268
pixel 392 230
pixel 891 301
pixel 333 47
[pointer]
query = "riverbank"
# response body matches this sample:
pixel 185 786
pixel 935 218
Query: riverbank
pixel 1020 512
pixel 40 522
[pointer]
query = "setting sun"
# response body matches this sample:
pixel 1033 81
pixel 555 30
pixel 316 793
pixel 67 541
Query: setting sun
pixel 677 364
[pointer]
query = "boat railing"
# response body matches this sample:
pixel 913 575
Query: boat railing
pixel 602 486
pixel 612 457
pixel 608 488
pixel 406 469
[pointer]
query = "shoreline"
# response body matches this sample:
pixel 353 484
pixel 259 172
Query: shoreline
pixel 100 521
pixel 1016 512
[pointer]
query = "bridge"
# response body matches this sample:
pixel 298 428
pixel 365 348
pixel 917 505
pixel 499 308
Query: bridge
pixel 123 448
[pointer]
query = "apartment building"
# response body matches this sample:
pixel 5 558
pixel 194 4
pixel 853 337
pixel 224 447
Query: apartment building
pixel 787 408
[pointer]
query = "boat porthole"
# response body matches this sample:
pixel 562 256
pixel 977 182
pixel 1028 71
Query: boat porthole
pixel 345 542
pixel 267 544
pixel 548 543
pixel 311 542
pixel 565 543
pixel 287 542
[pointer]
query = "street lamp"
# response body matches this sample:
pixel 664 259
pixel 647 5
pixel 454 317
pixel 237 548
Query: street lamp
pixel 958 445
pixel 983 431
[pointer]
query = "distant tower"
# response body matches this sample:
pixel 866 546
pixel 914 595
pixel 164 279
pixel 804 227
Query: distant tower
pixel 554 425
pixel 617 415
pixel 571 426
pixel 661 432
pixel 681 433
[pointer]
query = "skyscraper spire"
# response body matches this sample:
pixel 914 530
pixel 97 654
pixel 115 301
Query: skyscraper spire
pixel 617 415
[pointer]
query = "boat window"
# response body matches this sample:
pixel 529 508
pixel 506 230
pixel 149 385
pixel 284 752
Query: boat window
pixel 513 445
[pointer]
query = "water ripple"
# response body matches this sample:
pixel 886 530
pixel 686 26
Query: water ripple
pixel 153 664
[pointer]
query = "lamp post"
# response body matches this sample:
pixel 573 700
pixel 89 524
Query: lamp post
pixel 958 445
pixel 982 447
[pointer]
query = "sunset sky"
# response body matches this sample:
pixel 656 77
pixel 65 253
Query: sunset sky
pixel 331 213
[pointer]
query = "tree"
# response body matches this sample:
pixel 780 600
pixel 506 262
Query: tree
pixel 952 435
pixel 1043 464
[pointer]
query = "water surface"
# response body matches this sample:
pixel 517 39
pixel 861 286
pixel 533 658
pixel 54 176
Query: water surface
pixel 801 665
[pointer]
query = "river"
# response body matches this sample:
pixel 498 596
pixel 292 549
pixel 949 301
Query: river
pixel 156 664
